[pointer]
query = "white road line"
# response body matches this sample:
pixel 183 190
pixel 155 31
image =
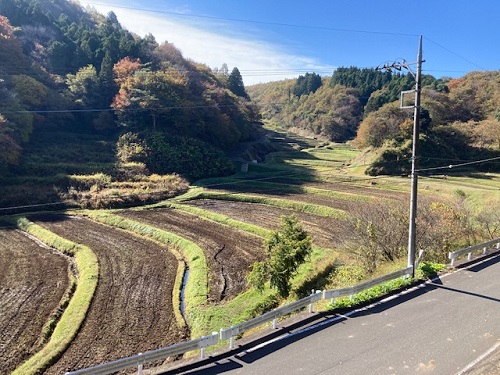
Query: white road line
pixel 478 359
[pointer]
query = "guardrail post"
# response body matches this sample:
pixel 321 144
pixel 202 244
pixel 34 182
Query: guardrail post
pixel 202 353
pixel 498 245
pixel 139 367
pixel 485 249
pixel 275 322
pixel 469 256
pixel 231 342
pixel 420 254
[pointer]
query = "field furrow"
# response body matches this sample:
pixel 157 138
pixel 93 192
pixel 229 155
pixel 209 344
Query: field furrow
pixel 229 252
pixel 132 307
pixel 33 279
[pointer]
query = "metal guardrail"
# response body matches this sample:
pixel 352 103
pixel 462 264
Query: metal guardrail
pixel 231 332
pixel 273 315
pixel 469 250
pixel 154 355
pixel 352 290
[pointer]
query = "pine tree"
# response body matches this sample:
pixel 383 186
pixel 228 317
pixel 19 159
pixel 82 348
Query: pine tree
pixel 235 83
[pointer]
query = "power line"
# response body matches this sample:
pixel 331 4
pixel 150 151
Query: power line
pixel 288 174
pixel 326 28
pixel 454 53
pixel 257 21
pixel 123 109
pixel 450 166
pixel 245 72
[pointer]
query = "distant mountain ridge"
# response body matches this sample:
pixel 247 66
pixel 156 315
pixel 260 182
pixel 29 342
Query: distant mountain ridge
pixel 460 118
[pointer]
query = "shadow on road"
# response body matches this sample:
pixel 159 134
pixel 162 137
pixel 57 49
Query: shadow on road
pixel 436 283
pixel 484 264
pixel 436 286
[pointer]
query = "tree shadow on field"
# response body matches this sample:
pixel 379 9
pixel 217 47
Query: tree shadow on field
pixel 275 175
pixel 55 217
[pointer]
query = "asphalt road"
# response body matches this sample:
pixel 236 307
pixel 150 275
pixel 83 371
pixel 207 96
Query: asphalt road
pixel 442 327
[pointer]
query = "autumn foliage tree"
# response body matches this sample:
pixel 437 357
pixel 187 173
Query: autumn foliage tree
pixel 386 123
pixel 11 53
pixel 10 150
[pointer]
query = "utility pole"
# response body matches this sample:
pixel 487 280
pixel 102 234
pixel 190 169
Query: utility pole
pixel 414 160
pixel 414 157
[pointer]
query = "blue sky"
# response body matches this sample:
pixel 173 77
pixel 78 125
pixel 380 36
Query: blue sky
pixel 272 40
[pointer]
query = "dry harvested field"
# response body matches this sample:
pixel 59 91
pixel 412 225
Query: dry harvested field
pixel 276 192
pixel 345 187
pixel 132 307
pixel 228 251
pixel 323 230
pixel 33 279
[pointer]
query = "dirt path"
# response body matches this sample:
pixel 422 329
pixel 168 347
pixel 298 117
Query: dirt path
pixel 33 280
pixel 323 230
pixel 132 307
pixel 229 252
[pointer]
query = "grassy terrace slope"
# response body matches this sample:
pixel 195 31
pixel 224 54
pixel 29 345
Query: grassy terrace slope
pixel 323 230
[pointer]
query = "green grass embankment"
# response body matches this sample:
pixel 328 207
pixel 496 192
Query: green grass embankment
pixel 297 189
pixel 252 302
pixel 76 310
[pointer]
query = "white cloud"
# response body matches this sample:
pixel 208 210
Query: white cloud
pixel 210 42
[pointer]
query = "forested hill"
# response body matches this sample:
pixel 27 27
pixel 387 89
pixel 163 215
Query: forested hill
pixel 460 118
pixel 71 70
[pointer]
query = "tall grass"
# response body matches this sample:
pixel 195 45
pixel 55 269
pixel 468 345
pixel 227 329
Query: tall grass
pixel 76 310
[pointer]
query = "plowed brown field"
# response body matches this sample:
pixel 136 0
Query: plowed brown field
pixel 33 280
pixel 229 252
pixel 132 307
pixel 323 230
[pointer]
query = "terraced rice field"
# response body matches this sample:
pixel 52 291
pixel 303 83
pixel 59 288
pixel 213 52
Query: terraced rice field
pixel 33 280
pixel 323 230
pixel 132 308
pixel 229 252
pixel 135 305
